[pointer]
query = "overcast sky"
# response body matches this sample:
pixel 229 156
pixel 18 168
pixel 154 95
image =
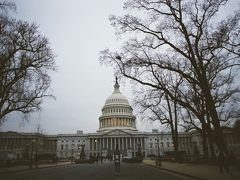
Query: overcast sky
pixel 77 30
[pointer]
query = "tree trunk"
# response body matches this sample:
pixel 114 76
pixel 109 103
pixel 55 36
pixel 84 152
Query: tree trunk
pixel 218 135
pixel 210 106
pixel 210 138
pixel 204 139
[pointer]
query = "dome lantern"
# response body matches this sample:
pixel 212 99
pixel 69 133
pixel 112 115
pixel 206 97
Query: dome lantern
pixel 116 86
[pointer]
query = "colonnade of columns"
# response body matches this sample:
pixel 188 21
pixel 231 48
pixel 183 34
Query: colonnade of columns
pixel 111 122
pixel 110 143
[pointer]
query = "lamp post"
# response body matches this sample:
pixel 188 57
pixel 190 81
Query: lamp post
pixel 36 153
pixel 96 155
pixel 31 154
pixel 72 155
pixel 159 157
pixel 139 153
pixel 116 156
pixel 79 152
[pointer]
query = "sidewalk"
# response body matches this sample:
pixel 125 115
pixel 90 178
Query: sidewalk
pixel 25 167
pixel 197 171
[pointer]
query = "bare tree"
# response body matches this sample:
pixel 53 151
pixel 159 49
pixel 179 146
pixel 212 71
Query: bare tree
pixel 182 38
pixel 237 129
pixel 25 62
pixel 156 106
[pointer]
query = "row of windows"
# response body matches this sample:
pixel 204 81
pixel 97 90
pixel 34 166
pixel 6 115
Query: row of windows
pixel 116 110
pixel 157 139
pixel 64 140
pixel 78 146
pixel 161 145
pixel 117 122
pixel 117 100
pixel 10 143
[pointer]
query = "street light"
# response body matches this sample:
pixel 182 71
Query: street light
pixel 96 149
pixel 95 144
pixel 79 151
pixel 31 155
pixel 158 162
pixel 36 153
pixel 139 152
pixel 72 155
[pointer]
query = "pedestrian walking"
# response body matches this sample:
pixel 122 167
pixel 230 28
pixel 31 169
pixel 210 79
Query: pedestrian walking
pixel 232 162
pixel 116 157
pixel 101 159
pixel 223 162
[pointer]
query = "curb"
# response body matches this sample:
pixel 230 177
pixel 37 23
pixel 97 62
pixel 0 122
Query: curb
pixel 175 172
pixel 33 169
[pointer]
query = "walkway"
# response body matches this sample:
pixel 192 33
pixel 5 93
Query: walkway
pixel 197 171
pixel 23 168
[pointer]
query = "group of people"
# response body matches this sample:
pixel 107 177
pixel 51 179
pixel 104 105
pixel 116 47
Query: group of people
pixel 116 157
pixel 227 162
pixel 96 159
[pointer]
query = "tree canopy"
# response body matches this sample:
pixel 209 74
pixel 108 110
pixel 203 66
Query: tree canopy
pixel 175 39
pixel 26 59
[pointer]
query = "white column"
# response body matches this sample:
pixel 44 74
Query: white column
pixel 103 143
pixel 126 143
pixel 92 144
pixel 119 143
pixel 111 143
pixel 122 142
pixel 130 142
pixel 107 143
pixel 134 143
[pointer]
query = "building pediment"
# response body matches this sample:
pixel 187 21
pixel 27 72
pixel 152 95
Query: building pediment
pixel 117 132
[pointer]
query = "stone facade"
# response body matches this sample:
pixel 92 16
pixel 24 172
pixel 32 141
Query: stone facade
pixel 117 126
pixel 21 145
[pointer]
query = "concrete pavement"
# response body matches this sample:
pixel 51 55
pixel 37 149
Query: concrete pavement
pixel 26 167
pixel 96 171
pixel 197 171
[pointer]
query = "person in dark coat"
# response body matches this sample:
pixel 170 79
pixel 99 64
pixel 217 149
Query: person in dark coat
pixel 232 162
pixel 223 162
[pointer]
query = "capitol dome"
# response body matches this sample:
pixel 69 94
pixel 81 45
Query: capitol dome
pixel 116 112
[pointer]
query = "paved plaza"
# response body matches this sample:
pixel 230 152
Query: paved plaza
pixel 197 171
pixel 96 171
pixel 147 170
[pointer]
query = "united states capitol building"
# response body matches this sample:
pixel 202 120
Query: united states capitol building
pixel 117 126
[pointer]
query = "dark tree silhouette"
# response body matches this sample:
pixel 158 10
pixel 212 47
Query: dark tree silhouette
pixel 181 38
pixel 237 129
pixel 156 106
pixel 25 62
